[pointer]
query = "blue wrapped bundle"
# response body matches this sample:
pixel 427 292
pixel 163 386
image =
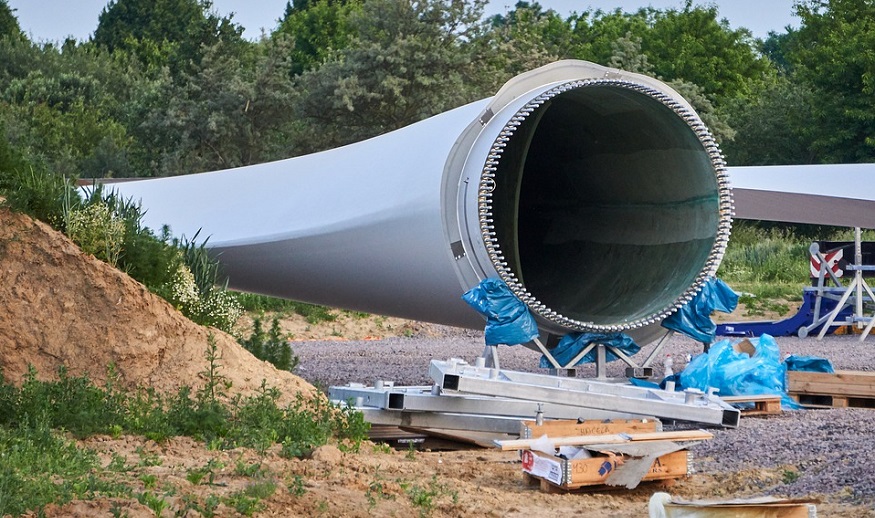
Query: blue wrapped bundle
pixel 508 320
pixel 734 372
pixel 694 319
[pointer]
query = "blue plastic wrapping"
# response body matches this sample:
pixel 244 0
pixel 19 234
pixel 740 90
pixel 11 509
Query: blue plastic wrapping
pixel 508 320
pixel 736 373
pixel 694 318
pixel 808 364
pixel 572 344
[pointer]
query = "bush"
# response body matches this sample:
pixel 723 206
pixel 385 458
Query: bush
pixel 271 346
pixel 97 231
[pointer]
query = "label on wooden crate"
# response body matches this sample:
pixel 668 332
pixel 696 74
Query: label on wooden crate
pixel 542 467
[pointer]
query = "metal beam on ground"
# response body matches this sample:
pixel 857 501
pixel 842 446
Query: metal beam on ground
pixel 421 399
pixel 456 376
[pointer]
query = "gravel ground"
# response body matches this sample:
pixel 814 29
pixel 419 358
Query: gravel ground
pixel 824 452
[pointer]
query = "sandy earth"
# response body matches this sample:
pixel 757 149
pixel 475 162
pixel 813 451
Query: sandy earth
pixel 61 307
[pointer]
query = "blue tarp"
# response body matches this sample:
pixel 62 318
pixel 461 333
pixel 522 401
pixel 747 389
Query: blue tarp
pixel 694 319
pixel 508 320
pixel 808 364
pixel 572 344
pixel 735 373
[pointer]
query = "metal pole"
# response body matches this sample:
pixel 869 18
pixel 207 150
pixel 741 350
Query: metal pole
pixel 858 276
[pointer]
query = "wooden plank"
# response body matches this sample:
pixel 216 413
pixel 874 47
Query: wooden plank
pixel 572 427
pixel 582 440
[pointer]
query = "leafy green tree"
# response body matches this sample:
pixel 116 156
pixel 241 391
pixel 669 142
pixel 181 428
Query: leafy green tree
pixel 407 61
pixel 163 32
pixel 230 110
pixel 832 52
pixel 8 22
pixel 628 56
pixel 595 32
pixel 318 28
pixel 526 38
pixel 693 45
pixel 773 126
pixel 63 107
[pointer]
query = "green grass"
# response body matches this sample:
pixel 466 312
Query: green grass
pixel 313 313
pixel 38 466
pixel 767 264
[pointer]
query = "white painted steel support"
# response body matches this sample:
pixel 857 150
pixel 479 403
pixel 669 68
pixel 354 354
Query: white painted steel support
pixel 856 289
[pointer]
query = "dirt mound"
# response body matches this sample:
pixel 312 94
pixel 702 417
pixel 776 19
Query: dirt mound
pixel 59 306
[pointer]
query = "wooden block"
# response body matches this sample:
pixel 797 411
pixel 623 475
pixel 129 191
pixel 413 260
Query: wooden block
pixel 566 428
pixel 764 404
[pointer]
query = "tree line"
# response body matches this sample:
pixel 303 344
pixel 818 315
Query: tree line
pixel 168 87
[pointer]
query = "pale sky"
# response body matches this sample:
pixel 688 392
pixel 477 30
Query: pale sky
pixel 54 20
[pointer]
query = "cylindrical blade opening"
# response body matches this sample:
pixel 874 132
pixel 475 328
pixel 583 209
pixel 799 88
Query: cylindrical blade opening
pixel 604 204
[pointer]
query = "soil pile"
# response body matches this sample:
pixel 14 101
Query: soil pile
pixel 60 306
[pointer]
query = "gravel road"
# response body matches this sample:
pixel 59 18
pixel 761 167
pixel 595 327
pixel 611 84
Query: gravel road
pixel 822 451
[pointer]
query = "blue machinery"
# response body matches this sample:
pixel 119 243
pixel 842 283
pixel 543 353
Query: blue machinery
pixel 825 306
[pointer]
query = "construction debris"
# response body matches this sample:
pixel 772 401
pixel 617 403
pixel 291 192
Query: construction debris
pixel 620 459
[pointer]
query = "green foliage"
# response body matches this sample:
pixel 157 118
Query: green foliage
pixel 232 108
pixel 825 54
pixel 694 45
pixel 72 403
pixel 406 61
pixel 39 467
pixel 789 476
pixel 42 195
pixel 9 27
pixel 271 346
pixel 63 107
pixel 768 264
pixel 773 125
pixel 97 231
pixel 296 487
pixel 209 470
pixel 309 424
pixel 317 29
pixel 163 33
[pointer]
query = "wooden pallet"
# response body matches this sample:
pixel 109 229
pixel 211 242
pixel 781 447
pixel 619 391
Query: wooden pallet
pixel 832 401
pixel 764 404
pixel 840 389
